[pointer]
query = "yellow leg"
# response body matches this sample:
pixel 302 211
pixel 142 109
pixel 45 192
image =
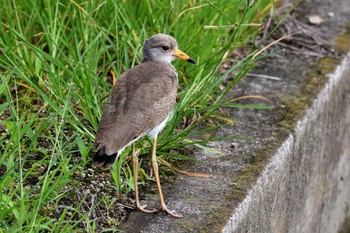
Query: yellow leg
pixel 156 174
pixel 134 161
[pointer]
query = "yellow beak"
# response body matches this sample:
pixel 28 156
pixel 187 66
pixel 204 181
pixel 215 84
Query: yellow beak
pixel 183 56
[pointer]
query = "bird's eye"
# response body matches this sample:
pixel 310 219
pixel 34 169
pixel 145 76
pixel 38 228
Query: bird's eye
pixel 165 47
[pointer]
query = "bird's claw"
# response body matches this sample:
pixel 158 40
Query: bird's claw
pixel 171 213
pixel 142 209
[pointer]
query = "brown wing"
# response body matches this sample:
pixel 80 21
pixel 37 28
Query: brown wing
pixel 143 97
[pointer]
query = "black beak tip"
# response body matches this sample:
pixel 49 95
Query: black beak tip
pixel 190 60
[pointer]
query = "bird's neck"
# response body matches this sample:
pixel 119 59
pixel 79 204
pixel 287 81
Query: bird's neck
pixel 164 63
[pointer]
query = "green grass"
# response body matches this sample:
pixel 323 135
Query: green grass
pixel 56 58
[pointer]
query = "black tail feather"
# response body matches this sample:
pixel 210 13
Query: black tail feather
pixel 101 159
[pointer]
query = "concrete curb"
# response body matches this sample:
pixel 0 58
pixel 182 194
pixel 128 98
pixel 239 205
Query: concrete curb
pixel 321 202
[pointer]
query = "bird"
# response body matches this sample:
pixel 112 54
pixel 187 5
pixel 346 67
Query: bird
pixel 140 104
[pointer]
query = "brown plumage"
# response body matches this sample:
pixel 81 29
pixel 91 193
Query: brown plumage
pixel 142 98
pixel 140 104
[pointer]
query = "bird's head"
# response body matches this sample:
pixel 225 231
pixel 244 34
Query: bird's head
pixel 163 48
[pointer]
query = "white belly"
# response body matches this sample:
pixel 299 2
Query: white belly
pixel 155 131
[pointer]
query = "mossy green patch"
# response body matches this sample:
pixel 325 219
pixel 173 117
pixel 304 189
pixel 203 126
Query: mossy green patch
pixel 342 41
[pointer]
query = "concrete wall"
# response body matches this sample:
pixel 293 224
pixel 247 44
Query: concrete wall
pixel 306 185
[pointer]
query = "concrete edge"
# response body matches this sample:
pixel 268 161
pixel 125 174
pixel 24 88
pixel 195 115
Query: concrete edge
pixel 280 157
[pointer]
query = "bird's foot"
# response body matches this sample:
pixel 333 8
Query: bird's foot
pixel 142 209
pixel 167 211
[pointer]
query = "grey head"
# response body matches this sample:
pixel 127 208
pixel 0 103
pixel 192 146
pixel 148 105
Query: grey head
pixel 163 48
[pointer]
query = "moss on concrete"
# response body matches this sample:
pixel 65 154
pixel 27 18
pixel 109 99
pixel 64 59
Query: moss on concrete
pixel 342 41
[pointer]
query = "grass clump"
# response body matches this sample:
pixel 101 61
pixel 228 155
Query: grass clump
pixel 57 60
